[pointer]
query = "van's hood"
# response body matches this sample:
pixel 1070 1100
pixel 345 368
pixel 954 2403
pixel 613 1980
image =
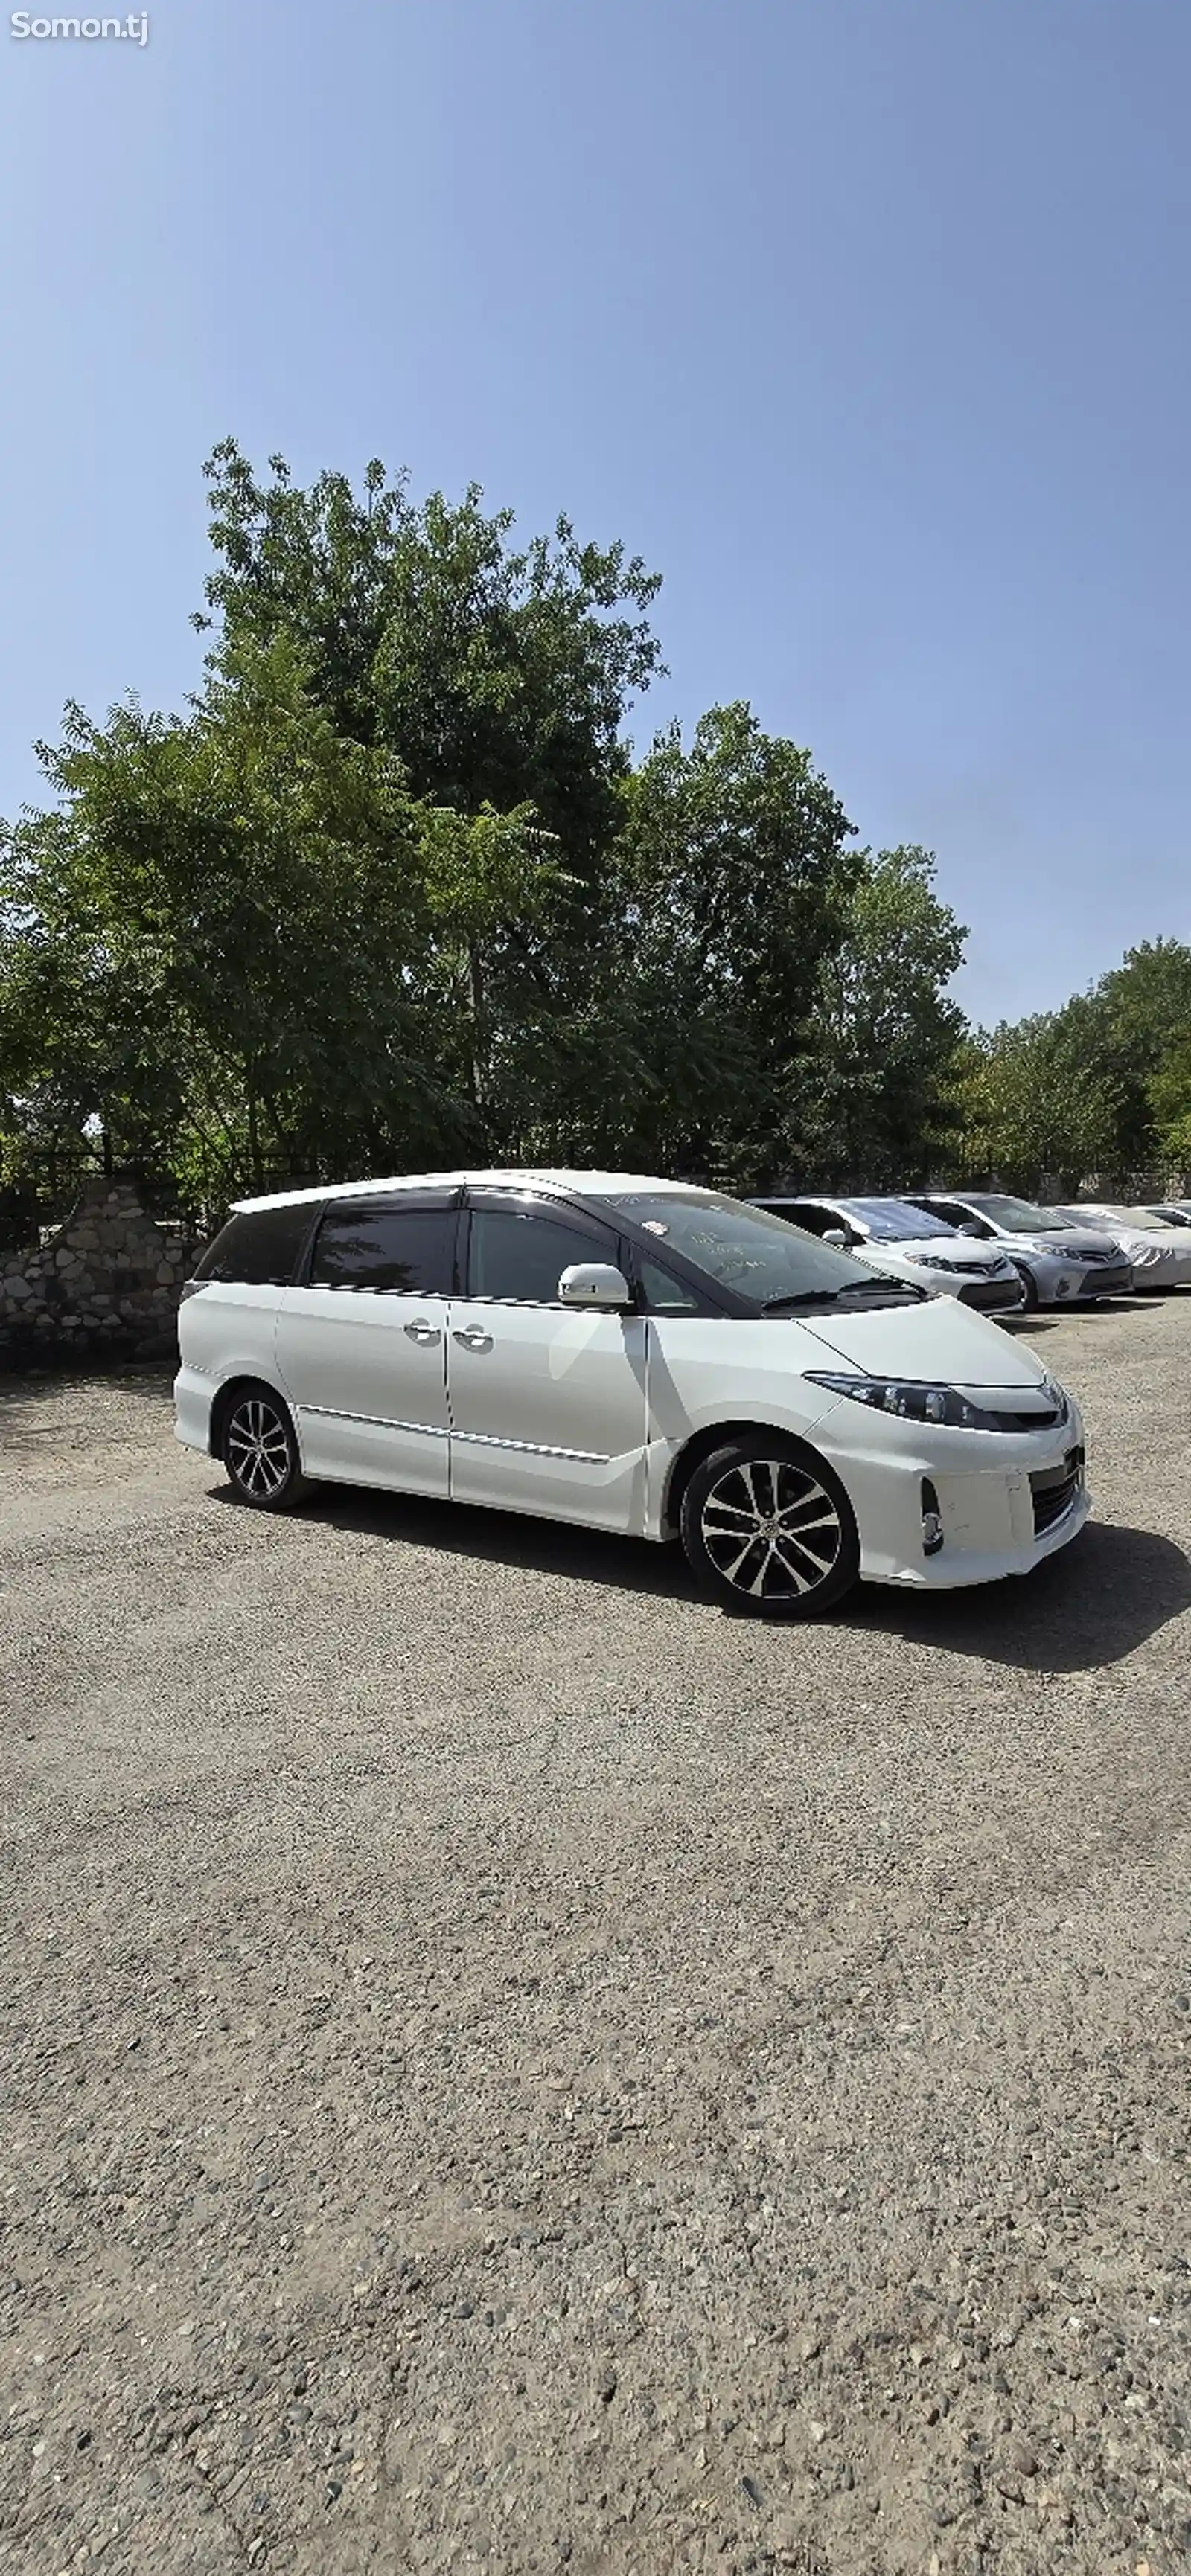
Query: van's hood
pixel 939 1340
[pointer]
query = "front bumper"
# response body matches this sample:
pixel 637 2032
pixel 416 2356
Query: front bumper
pixel 1005 1500
pixel 1073 1283
pixel 1170 1270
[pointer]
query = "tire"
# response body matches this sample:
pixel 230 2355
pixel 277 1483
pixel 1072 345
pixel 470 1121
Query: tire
pixel 259 1448
pixel 1030 1285
pixel 755 1479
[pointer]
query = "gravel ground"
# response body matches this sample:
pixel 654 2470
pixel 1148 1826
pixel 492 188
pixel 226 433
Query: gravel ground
pixel 510 2069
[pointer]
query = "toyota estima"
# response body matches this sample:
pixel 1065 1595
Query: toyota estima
pixel 636 1355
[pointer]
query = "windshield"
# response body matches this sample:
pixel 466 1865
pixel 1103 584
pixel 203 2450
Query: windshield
pixel 1138 1220
pixel 891 1221
pixel 1020 1216
pixel 757 1256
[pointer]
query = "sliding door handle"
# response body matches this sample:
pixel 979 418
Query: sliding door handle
pixel 473 1338
pixel 426 1335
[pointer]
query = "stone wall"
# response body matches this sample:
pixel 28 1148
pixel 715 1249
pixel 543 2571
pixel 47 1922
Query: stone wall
pixel 108 1280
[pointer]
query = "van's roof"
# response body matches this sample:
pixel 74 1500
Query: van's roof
pixel 580 1184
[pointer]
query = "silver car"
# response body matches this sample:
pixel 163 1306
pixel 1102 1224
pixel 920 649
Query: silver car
pixel 1059 1260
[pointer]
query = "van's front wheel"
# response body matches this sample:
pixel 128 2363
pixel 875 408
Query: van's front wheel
pixel 768 1529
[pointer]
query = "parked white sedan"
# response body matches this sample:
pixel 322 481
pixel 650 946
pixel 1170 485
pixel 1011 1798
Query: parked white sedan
pixel 906 1244
pixel 1160 1253
pixel 635 1355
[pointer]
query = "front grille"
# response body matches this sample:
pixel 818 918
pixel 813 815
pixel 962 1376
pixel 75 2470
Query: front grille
pixel 992 1293
pixel 1054 1490
pixel 1047 1421
pixel 970 1269
pixel 1110 1283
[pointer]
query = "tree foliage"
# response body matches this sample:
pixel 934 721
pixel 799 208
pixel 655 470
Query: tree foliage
pixel 1030 1107
pixel 885 1033
pixel 499 675
pixel 1101 1087
pixel 393 889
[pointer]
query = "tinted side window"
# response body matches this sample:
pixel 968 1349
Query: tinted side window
pixel 520 1257
pixel 258 1250
pixel 813 1220
pixel 665 1295
pixel 407 1252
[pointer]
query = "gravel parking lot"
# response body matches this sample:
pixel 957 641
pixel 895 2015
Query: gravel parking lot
pixel 510 2068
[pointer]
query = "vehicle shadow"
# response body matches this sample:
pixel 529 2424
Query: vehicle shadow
pixel 496 1538
pixel 1091 1605
pixel 1046 1319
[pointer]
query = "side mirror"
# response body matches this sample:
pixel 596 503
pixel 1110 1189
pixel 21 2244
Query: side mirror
pixel 837 1236
pixel 973 1231
pixel 595 1284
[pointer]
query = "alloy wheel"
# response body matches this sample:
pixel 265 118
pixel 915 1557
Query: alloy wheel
pixel 771 1530
pixel 257 1449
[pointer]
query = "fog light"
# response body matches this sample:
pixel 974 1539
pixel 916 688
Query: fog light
pixel 1064 1288
pixel 932 1521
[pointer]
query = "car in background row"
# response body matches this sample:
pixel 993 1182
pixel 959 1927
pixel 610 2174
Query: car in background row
pixel 640 1356
pixel 1060 1258
pixel 1172 1211
pixel 901 1241
pixel 1160 1253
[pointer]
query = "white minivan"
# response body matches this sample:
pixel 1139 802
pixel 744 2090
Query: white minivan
pixel 637 1355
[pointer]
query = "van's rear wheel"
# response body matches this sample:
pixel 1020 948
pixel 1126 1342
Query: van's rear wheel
pixel 260 1451
pixel 768 1528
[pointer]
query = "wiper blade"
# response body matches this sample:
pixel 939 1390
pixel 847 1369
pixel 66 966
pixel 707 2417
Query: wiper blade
pixel 804 1297
pixel 886 1291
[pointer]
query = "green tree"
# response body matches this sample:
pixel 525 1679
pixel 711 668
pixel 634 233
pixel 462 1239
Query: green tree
pixel 498 674
pixel 1032 1104
pixel 237 920
pixel 392 891
pixel 1169 1095
pixel 1085 1089
pixel 732 879
pixel 1143 1012
pixel 885 1032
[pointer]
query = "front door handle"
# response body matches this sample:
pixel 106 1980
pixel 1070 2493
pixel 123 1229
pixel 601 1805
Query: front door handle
pixel 423 1333
pixel 473 1338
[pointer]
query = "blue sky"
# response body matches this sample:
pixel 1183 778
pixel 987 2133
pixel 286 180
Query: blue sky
pixel 864 321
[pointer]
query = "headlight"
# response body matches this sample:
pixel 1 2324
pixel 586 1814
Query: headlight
pixel 910 1399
